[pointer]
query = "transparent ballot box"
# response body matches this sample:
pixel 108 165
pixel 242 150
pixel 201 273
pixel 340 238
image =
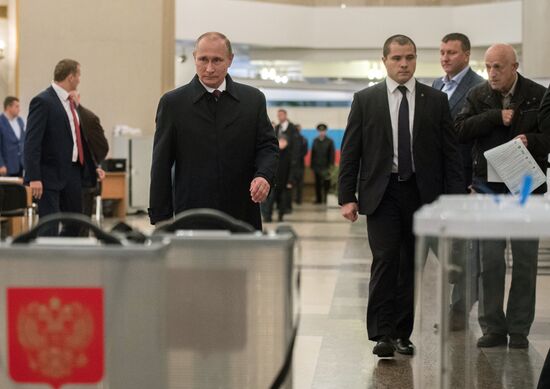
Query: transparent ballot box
pixel 478 258
pixel 81 313
pixel 230 311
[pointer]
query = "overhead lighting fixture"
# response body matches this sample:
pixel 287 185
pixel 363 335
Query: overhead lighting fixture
pixel 271 74
pixel 343 5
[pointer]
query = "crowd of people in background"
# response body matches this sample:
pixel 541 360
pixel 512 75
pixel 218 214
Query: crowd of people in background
pixel 294 148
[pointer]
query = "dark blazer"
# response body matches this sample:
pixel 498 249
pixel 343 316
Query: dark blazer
pixel 94 136
pixel 295 149
pixel 480 121
pixel 93 133
pixel 11 148
pixel 367 148
pixel 322 155
pixel 456 102
pixel 49 143
pixel 216 149
pixel 544 119
pixel 303 152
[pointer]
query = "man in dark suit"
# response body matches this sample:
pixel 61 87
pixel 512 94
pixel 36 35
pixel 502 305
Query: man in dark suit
pixel 322 161
pixel 458 80
pixel 56 153
pixel 288 129
pixel 93 133
pixel 400 141
pixel 217 136
pixel 12 137
pixel 497 111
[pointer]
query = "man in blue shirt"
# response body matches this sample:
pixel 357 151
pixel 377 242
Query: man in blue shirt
pixel 458 80
pixel 12 135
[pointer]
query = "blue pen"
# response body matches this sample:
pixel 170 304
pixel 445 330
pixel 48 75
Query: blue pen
pixel 525 189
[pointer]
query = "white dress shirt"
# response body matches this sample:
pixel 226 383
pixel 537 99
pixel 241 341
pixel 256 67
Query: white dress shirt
pixel 64 98
pixel 283 126
pixel 15 127
pixel 394 101
pixel 221 88
pixel 450 85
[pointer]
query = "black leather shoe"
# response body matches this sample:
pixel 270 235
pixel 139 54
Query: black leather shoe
pixel 518 341
pixel 492 340
pixel 404 346
pixel 384 348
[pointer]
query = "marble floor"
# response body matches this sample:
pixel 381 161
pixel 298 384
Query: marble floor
pixel 332 349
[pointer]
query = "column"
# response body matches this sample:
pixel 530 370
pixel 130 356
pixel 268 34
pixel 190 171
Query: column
pixel 125 48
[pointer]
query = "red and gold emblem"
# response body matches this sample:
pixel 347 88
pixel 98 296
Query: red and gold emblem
pixel 55 335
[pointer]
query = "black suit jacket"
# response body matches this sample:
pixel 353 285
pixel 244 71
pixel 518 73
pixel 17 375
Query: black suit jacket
pixel 93 132
pixel 94 136
pixel 544 117
pixel 216 149
pixel 49 143
pixel 458 98
pixel 367 148
pixel 294 150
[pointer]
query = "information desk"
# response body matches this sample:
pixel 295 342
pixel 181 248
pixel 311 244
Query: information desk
pixel 114 188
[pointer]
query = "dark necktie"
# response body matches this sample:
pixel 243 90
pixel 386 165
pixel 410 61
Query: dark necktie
pixel 216 94
pixel 404 160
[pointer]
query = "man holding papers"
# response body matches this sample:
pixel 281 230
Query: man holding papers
pixel 496 112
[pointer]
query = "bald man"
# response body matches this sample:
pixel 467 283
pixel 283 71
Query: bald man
pixel 497 111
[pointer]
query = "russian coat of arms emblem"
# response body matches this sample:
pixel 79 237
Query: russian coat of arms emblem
pixel 55 335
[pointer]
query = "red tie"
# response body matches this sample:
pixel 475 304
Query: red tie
pixel 77 134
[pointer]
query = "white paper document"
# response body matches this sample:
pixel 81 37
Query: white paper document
pixel 510 163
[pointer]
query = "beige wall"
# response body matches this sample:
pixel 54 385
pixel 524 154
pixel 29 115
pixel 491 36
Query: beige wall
pixel 536 38
pixel 125 48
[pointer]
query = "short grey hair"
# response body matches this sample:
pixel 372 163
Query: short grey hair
pixel 214 35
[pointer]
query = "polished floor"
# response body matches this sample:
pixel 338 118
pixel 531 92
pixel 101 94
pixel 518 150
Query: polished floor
pixel 332 349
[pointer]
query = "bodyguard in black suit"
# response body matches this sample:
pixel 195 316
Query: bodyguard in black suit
pixel 458 80
pixel 56 153
pixel 216 135
pixel 400 141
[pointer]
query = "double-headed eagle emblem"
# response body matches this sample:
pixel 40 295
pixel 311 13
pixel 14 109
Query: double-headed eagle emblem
pixel 55 336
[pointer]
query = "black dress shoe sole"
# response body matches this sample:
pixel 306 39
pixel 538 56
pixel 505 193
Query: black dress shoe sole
pixel 383 351
pixel 518 345
pixel 493 343
pixel 407 351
